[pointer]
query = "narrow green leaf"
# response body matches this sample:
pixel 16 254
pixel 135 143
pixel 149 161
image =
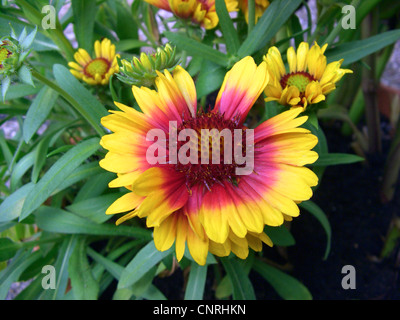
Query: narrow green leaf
pixel 60 221
pixel 20 90
pixel 79 97
pixel 112 267
pixel 196 282
pixel 61 269
pixel 280 235
pixel 22 166
pixel 84 13
pixel 228 29
pixel 195 48
pixel 21 261
pixel 57 174
pixel 38 112
pixel 358 49
pixel 210 78
pixel 11 207
pixel 27 42
pixel 320 215
pixel 5 85
pixel 331 159
pixel 8 249
pixel 277 13
pixel 82 281
pixel 25 75
pixel 94 208
pixel 285 285
pixel 129 44
pixel 145 259
pixel 241 284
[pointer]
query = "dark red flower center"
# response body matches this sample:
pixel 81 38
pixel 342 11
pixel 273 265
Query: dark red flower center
pixel 298 79
pixel 210 149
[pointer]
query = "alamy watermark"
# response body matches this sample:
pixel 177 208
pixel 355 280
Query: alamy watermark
pixel 349 20
pixel 349 280
pixel 49 280
pixel 49 20
pixel 209 140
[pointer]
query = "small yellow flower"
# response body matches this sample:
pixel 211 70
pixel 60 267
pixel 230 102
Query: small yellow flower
pixel 260 7
pixel 96 71
pixel 309 78
pixel 200 12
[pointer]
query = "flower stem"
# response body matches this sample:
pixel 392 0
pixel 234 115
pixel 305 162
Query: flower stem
pixel 369 87
pixel 251 15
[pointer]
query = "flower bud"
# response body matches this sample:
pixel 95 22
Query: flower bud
pixel 142 71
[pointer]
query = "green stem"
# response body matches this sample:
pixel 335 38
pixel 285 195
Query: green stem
pixel 369 87
pixel 68 98
pixel 251 15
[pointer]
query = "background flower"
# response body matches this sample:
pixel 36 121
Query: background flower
pixel 309 78
pixel 200 12
pixel 95 71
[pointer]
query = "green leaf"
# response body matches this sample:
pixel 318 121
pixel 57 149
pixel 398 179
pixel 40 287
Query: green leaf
pixel 280 236
pixel 19 169
pixel 358 49
pixel 228 29
pixel 38 111
pixel 112 267
pixel 25 75
pixel 11 207
pixel 210 78
pixel 5 84
pixel 82 281
pixel 196 282
pixel 84 13
pixel 331 159
pixel 129 44
pixel 94 186
pixel 277 13
pixel 18 264
pixel 27 42
pixel 94 208
pixel 144 260
pixel 320 215
pixel 20 90
pixel 286 286
pixel 241 284
pixel 57 220
pixel 61 269
pixel 57 174
pixel 8 249
pixel 195 48
pixel 79 97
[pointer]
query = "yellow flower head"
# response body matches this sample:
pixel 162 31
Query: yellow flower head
pixel 260 7
pixel 309 78
pixel 95 71
pixel 200 12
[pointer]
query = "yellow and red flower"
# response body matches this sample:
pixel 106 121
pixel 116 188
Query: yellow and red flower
pixel 209 207
pixel 95 71
pixel 200 12
pixel 309 79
